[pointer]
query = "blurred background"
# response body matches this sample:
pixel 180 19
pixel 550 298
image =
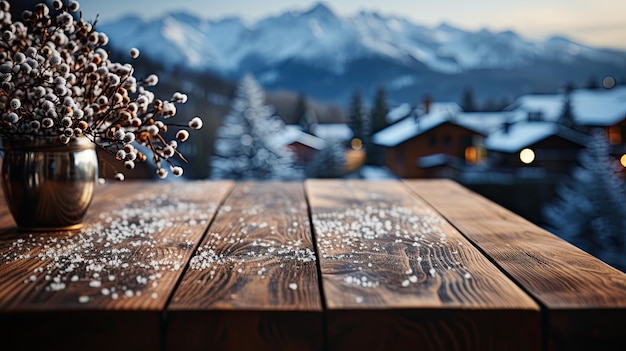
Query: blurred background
pixel 521 101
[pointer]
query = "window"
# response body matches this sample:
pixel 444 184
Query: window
pixel 615 135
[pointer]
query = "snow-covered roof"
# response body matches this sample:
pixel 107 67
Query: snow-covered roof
pixel 398 113
pixel 294 134
pixel 591 107
pixel 408 128
pixel 486 122
pixel 336 131
pixel 405 109
pixel 524 134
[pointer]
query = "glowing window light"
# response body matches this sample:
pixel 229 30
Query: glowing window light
pixel 615 135
pixel 471 155
pixel 527 156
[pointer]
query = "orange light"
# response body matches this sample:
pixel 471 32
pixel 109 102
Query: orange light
pixel 471 155
pixel 623 160
pixel 356 144
pixel 615 135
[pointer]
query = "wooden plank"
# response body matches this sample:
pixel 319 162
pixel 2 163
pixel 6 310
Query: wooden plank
pixel 253 282
pixel 396 275
pixel 105 286
pixel 584 299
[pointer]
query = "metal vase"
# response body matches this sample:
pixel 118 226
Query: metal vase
pixel 49 185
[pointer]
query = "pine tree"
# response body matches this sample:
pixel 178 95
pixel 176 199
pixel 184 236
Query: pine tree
pixel 567 114
pixel 380 111
pixel 359 119
pixel 590 209
pixel 247 145
pixel 329 162
pixel 467 101
pixel 306 116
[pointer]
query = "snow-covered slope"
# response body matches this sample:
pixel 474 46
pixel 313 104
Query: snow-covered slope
pixel 320 37
pixel 279 49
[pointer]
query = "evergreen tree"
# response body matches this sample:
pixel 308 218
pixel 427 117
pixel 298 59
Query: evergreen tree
pixel 567 115
pixel 359 119
pixel 592 83
pixel 248 143
pixel 329 162
pixel 467 101
pixel 306 116
pixel 380 111
pixel 590 209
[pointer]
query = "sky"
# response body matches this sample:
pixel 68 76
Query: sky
pixel 594 22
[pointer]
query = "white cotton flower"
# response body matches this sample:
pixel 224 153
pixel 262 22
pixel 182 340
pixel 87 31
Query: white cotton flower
pixel 120 155
pixel 7 35
pixel 176 171
pixel 19 58
pixel 120 134
pixel 103 39
pixel 152 130
pixel 182 135
pixel 195 123
pixel 12 117
pixel 74 6
pixel 169 109
pixel 47 122
pixel 55 60
pixel 162 173
pixel 134 53
pixel 151 81
pixel 168 151
pixel 78 113
pixel 131 156
pixel 179 97
pixel 129 137
pixel 64 139
pixel 15 104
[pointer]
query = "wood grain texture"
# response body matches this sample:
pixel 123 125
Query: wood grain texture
pixel 253 282
pixel 583 299
pixel 105 286
pixel 396 275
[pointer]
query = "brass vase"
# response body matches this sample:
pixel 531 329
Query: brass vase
pixel 49 185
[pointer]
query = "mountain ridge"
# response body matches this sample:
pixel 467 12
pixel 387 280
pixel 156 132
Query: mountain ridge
pixel 280 49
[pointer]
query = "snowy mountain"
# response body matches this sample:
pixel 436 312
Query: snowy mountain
pixel 328 56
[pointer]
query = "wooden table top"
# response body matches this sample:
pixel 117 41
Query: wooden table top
pixel 314 265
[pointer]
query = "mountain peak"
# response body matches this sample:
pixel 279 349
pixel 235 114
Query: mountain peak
pixel 319 9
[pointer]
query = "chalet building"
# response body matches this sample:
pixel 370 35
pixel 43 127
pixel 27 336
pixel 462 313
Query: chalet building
pixel 418 147
pixel 595 108
pixel 302 144
pixel 532 149
pixel 305 146
pixel 532 138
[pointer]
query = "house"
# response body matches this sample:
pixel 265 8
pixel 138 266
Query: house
pixel 591 108
pixel 534 149
pixel 441 132
pixel 303 145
